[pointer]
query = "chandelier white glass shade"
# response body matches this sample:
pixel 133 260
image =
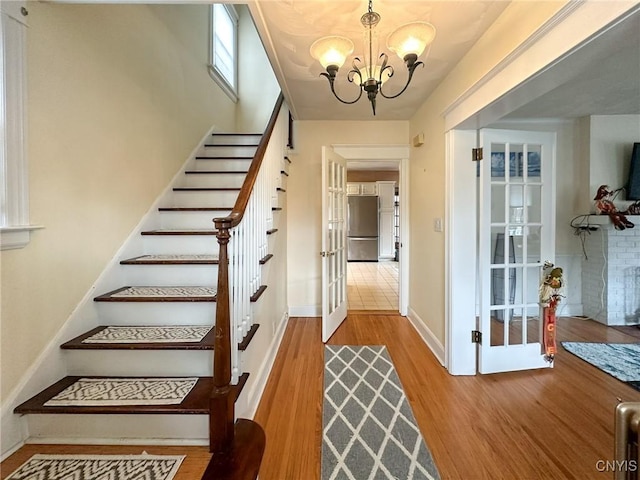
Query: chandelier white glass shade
pixel 408 42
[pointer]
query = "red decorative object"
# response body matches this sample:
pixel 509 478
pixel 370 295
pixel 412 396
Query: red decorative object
pixel 549 331
pixel 604 205
pixel 550 292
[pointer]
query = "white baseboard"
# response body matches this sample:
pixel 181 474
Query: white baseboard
pixel 255 395
pixel 427 335
pixel 305 311
pixel 11 451
pixel 179 442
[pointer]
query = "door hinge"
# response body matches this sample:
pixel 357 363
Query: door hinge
pixel 476 336
pixel 476 154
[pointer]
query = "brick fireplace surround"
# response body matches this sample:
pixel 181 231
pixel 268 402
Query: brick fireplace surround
pixel 611 273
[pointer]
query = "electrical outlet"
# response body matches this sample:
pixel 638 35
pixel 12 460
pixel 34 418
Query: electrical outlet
pixel 437 224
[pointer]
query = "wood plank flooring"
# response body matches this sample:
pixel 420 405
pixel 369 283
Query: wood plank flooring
pixel 549 424
pixel 538 425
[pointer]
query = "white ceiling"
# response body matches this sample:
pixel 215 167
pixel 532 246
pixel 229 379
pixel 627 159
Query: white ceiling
pixel 601 78
pixel 291 26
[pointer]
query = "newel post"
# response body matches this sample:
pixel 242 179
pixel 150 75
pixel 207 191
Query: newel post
pixel 221 402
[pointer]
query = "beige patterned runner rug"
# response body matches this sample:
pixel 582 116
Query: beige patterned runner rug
pixel 92 392
pixel 98 467
pixel 150 334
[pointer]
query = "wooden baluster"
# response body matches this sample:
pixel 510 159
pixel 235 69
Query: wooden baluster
pixel 222 402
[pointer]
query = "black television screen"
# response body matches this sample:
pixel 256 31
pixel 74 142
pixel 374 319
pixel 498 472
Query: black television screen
pixel 633 186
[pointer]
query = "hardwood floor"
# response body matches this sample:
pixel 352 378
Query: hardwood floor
pixel 550 424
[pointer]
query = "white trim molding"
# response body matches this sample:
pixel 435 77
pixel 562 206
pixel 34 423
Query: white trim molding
pixel 427 335
pixel 16 236
pixel 305 311
pixel 14 170
pixel 574 26
pixel 255 394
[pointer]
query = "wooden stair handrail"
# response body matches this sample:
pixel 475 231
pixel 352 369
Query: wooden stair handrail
pixel 235 217
pixel 222 402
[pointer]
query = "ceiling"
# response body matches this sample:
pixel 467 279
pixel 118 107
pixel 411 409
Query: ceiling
pixel 599 79
pixel 291 26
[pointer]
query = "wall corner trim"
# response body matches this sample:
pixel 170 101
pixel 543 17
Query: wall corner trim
pixel 427 335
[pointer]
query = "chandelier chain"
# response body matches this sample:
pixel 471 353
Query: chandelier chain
pixel 370 6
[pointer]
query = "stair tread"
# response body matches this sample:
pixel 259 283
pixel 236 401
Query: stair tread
pixel 205 344
pixel 181 231
pixel 224 157
pixel 215 172
pixel 266 258
pixel 194 209
pixel 159 294
pixel 207 189
pixel 232 144
pixel 172 260
pixel 77 343
pixel 145 293
pixel 196 402
pixel 245 134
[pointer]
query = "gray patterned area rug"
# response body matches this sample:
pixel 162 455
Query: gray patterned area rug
pixel 98 467
pixel 621 360
pixel 369 431
pixel 93 392
pixel 150 334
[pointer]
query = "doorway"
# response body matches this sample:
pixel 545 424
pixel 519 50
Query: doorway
pixel 380 283
pixel 373 209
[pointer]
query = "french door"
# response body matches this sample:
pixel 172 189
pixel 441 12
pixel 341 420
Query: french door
pixel 334 241
pixel 516 237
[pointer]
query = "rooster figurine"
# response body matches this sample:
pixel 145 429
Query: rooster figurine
pixel 604 205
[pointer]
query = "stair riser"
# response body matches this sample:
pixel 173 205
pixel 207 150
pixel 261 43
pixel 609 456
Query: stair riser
pixel 212 180
pixel 204 199
pixel 171 275
pixel 235 140
pixel 140 363
pixel 120 429
pixel 239 151
pixel 180 244
pixel 190 220
pixel 216 164
pixel 156 313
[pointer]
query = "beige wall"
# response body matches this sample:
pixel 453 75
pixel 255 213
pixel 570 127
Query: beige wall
pixel 118 96
pixel 427 175
pixel 611 139
pixel 372 175
pixel 304 193
pixel 257 86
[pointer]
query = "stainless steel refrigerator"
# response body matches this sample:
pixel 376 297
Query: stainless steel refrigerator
pixel 362 228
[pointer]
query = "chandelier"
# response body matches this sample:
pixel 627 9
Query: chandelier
pixel 408 42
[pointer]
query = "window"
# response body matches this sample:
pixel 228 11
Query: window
pixel 224 48
pixel 14 183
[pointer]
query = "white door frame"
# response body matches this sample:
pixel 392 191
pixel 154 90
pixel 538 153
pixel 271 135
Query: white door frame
pixel 386 153
pixel 509 84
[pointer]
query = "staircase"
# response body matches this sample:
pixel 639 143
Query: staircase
pixel 182 283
